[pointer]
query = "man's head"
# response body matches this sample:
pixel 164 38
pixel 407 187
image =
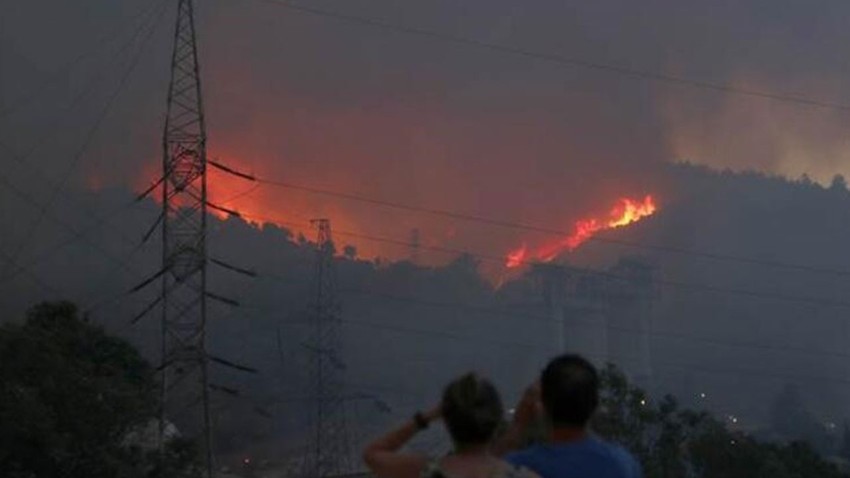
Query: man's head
pixel 569 390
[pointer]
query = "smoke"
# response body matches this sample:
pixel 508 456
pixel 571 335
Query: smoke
pixel 419 120
pixel 787 140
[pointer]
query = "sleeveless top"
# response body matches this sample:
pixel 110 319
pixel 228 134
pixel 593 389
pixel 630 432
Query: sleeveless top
pixel 433 470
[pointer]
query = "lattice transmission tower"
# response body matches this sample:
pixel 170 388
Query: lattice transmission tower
pixel 185 382
pixel 329 451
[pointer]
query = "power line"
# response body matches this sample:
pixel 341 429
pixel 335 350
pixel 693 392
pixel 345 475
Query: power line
pixel 817 301
pixel 542 318
pixel 22 159
pixel 515 315
pixel 520 315
pixel 689 367
pixel 527 346
pixel 678 284
pixel 91 133
pixel 529 227
pixel 559 59
pixel 76 234
pixel 91 305
pixel 38 281
pixel 118 28
pixel 44 210
pixel 53 127
pixel 550 231
pixel 88 89
pixel 758 373
pixel 658 334
pixel 23 195
pixel 442 334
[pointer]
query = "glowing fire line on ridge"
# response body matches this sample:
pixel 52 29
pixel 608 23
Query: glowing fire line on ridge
pixel 625 212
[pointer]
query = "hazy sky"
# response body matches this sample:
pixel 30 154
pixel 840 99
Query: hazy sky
pixel 416 119
pixel 331 103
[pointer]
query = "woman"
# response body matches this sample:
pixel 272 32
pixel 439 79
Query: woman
pixel 473 413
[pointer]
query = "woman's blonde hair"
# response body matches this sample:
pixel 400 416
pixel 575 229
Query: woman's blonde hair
pixel 472 410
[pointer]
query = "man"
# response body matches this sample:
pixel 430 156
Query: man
pixel 567 394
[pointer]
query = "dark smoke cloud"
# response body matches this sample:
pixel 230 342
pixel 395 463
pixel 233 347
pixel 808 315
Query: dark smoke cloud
pixel 342 105
pixel 416 119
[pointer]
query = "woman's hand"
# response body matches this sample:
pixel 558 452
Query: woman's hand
pixel 530 407
pixel 384 456
pixel 527 411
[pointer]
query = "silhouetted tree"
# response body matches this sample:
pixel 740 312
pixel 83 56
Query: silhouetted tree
pixel 844 450
pixel 672 442
pixel 838 184
pixel 350 252
pixel 69 397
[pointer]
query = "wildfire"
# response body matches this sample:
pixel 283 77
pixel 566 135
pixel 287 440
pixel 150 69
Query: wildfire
pixel 259 206
pixel 625 212
pixel 517 257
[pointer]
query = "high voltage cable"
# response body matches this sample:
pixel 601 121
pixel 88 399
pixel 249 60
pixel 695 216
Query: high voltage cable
pixel 519 315
pixel 82 234
pixel 763 374
pixel 689 367
pixel 671 283
pixel 559 59
pixel 22 159
pixel 469 307
pixel 53 127
pixel 23 195
pixel 668 335
pixel 116 31
pixel 77 234
pixel 443 334
pixel 511 314
pixel 677 284
pixel 44 210
pixel 542 318
pixel 584 64
pixel 547 230
pixel 38 281
pixel 467 338
pixel 92 131
pixel 523 345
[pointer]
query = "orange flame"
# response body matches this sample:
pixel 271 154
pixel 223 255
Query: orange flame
pixel 625 212
pixel 517 257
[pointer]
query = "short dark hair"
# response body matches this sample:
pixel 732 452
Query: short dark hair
pixel 472 410
pixel 569 389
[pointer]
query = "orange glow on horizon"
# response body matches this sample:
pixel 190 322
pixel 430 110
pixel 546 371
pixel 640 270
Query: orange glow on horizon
pixel 258 205
pixel 625 212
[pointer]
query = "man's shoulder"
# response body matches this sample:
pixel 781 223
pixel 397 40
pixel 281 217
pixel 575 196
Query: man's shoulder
pixel 524 456
pixel 610 447
pixel 521 455
pixel 619 455
pixel 593 452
